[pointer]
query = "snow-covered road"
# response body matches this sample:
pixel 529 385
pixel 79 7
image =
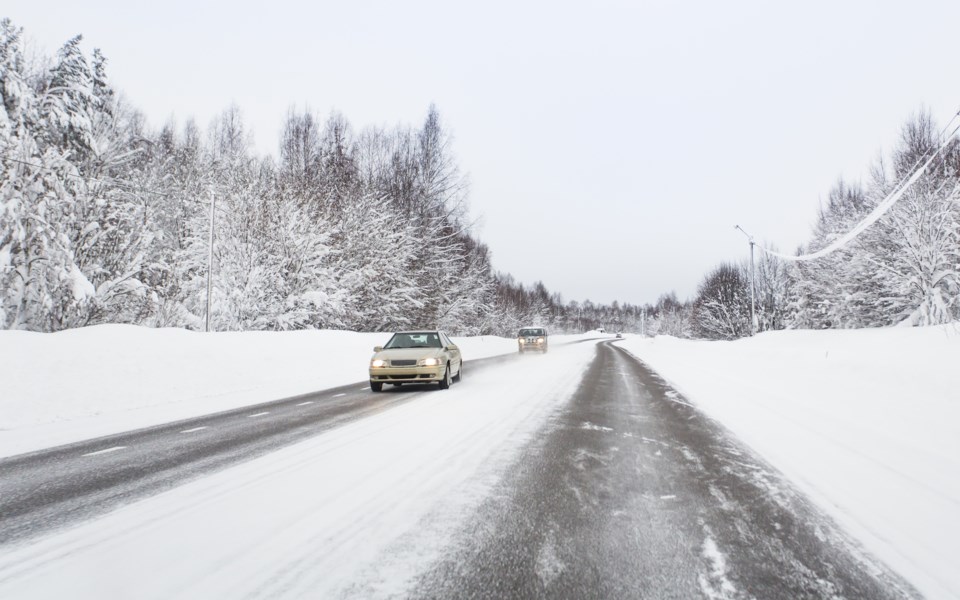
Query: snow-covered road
pixel 864 422
pixel 308 518
pixel 631 492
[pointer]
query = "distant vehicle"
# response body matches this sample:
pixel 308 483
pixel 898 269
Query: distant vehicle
pixel 416 357
pixel 532 339
pixel 619 336
pixel 600 330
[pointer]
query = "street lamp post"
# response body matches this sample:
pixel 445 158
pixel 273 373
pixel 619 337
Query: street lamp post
pixel 753 312
pixel 213 199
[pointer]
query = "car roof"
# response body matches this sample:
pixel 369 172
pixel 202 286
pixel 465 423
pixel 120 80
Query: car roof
pixel 420 331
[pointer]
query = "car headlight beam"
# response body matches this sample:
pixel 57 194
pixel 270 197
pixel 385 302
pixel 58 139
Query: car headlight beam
pixel 378 363
pixel 428 362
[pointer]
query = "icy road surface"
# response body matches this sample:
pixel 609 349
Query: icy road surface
pixel 574 474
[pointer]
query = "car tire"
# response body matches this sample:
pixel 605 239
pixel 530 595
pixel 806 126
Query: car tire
pixel 445 382
pixel 376 386
pixel 459 376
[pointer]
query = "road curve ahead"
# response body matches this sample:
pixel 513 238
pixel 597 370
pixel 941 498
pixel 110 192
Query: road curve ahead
pixel 634 493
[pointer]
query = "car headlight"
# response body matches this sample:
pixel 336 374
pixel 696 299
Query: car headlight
pixel 428 362
pixel 539 340
pixel 377 363
pixel 522 341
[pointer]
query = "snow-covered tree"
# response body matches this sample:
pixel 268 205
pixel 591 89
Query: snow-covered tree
pixel 721 310
pixel 103 219
pixel 916 246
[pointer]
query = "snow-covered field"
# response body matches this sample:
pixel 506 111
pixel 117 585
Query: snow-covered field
pixel 84 383
pixel 867 422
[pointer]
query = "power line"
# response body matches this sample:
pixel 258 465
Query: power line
pixel 876 213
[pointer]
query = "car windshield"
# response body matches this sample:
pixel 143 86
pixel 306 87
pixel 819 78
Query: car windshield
pixel 426 339
pixel 529 332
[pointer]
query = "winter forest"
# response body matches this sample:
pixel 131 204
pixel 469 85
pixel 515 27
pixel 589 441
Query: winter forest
pixel 105 220
pixel 902 270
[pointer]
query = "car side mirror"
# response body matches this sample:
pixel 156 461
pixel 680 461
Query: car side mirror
pixel 377 348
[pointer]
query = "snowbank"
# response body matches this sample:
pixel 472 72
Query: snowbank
pixel 82 383
pixel 867 422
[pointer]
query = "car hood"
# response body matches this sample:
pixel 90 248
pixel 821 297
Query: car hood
pixel 408 353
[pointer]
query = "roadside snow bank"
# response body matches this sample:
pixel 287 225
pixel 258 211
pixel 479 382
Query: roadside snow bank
pixel 867 422
pixel 57 388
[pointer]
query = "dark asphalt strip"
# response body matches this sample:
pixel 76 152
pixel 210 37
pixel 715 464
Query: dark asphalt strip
pixel 631 492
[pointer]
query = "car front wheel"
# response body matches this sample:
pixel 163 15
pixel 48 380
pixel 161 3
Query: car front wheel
pixel 376 386
pixel 445 382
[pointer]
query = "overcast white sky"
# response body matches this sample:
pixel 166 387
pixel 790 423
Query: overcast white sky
pixel 611 146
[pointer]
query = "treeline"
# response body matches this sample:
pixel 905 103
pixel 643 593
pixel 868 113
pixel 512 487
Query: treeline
pixel 519 305
pixel 103 220
pixel 902 270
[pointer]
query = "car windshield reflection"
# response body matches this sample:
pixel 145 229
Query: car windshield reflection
pixel 413 340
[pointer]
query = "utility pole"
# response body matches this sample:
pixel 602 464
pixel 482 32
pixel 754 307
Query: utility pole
pixel 753 312
pixel 213 199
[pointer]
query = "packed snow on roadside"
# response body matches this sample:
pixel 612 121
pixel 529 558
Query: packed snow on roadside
pixel 78 384
pixel 866 422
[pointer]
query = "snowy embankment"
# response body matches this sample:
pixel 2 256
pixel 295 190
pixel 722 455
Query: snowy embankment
pixel 866 422
pixel 84 383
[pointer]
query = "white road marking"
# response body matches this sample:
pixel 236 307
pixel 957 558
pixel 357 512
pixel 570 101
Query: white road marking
pixel 670 497
pixel 305 403
pixel 363 388
pixel 114 449
pixel 344 394
pixel 192 430
pixel 259 414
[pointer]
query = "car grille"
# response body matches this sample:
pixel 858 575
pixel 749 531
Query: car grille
pixel 402 363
